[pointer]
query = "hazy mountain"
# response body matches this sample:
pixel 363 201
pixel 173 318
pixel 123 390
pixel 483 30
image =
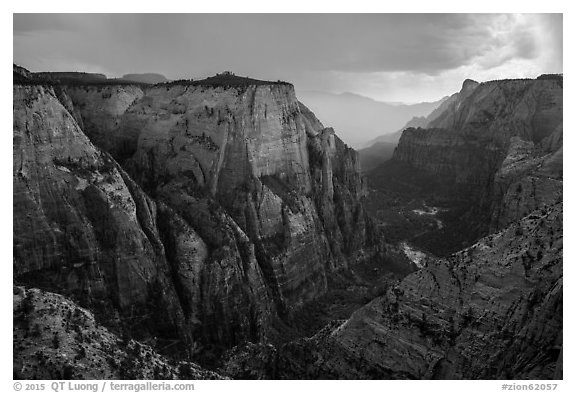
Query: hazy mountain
pixel 150 78
pixel 380 149
pixel 447 103
pixel 359 119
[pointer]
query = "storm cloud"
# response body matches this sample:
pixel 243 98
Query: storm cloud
pixel 384 56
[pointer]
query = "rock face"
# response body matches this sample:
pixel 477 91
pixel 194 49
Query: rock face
pixel 495 142
pixel 232 205
pixel 101 108
pixel 450 106
pixel 528 179
pixel 290 185
pixel 492 311
pixel 54 338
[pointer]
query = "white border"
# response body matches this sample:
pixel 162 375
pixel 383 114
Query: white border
pixel 306 6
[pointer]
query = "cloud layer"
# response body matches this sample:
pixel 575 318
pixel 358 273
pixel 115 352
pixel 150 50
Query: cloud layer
pixel 399 57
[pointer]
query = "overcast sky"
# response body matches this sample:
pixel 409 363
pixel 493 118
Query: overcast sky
pixel 388 57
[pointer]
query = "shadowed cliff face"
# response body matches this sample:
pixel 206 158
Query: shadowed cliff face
pixel 66 192
pixel 101 109
pixel 252 204
pixel 491 311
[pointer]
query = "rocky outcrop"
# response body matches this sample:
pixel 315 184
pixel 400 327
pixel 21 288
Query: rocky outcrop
pixel 382 148
pixel 245 151
pixel 449 107
pixel 151 78
pixel 492 311
pixel 528 179
pixel 55 338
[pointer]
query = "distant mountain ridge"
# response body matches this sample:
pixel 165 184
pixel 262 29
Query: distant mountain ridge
pixel 423 121
pixel 380 149
pixel 89 77
pixel 359 119
pixel 151 78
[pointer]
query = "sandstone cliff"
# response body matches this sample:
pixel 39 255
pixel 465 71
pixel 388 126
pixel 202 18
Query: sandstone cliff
pixel 250 147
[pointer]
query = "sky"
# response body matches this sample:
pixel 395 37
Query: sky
pixel 388 57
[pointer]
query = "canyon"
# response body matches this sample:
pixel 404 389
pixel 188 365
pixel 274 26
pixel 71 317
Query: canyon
pixel 493 308
pixel 491 157
pixel 197 223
